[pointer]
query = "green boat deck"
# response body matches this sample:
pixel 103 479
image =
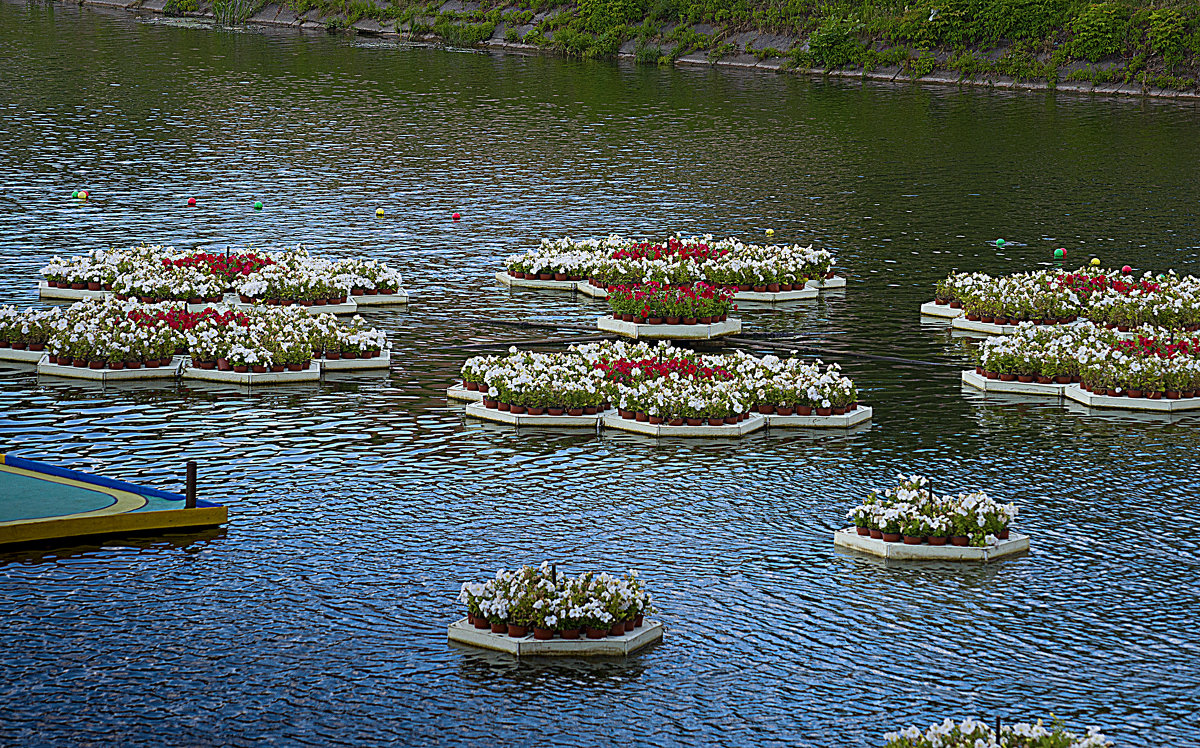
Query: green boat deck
pixel 41 503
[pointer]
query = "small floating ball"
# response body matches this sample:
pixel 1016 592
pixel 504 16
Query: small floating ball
pixel 999 242
pixel 1126 270
pixel 1095 262
pixel 1060 253
pixel 379 211
pixel 83 194
pixel 258 204
pixel 192 202
pixel 456 216
pixel 770 232
pixel 75 193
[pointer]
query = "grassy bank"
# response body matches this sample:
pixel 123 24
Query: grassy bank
pixel 1051 41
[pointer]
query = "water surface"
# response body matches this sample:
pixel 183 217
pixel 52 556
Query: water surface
pixel 358 506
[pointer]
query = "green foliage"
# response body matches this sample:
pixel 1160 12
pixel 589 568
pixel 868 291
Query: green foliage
pixel 233 12
pixel 180 7
pixel 601 16
pixel 835 43
pixel 1099 31
pixel 1167 34
pixel 462 34
pixel 922 65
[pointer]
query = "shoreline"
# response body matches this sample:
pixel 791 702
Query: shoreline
pixel 277 16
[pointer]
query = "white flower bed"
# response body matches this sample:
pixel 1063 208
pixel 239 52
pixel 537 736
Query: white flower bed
pixel 971 733
pixel 549 604
pixel 156 273
pixel 1112 298
pixel 913 514
pixel 659 385
pixel 676 260
pixel 128 336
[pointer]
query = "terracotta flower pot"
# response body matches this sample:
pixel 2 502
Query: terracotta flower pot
pixel 876 534
pixel 555 411
pixel 116 365
pixel 93 285
pixel 914 539
pixel 865 531
pixel 278 368
pixel 760 289
pixel 482 623
pixel 535 411
pixel 785 287
pixel 1133 393
pixel 516 631
pixel 937 539
pixel 569 633
pixel 259 369
pixel 575 411
pixel 891 537
pixel 1172 395
pixel 472 386
pixel 95 364
pixel 1044 379
pixel 1007 377
pixel 637 621
pixel 591 410
pixel 618 629
pixel 956 305
pixel 766 410
pixel 671 320
pixel 560 276
pixel 783 410
pixel 593 633
pixel 543 634
pixel 499 628
pixel 695 421
pixel 1026 378
pixel 675 422
pixel 223 364
pixel 688 320
pixel 639 320
pixel 80 362
pixel 295 367
pixel 1003 534
pixel 654 320
pixel 1156 395
pixel 839 410
pixel 656 420
pixel 241 368
pixel 641 416
pixel 803 410
pixel 629 625
pixel 824 411
pixel 960 540
pixel 716 421
pixel 517 409
pixel 620 411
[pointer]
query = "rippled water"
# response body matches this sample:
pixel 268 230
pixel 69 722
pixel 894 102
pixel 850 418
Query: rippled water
pixel 359 505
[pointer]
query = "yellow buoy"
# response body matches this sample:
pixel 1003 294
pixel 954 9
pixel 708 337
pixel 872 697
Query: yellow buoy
pixel 770 232
pixel 379 211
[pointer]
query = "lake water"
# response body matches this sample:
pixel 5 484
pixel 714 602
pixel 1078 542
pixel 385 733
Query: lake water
pixel 358 506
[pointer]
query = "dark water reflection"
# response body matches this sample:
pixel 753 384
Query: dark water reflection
pixel 358 505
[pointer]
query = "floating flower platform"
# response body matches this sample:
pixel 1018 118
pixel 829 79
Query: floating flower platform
pixel 458 392
pixel 381 299
pixel 669 332
pixel 1092 400
pixel 748 426
pixel 587 289
pixel 945 311
pixel 859 415
pixel 66 294
pixel 21 356
pixel 982 383
pixel 557 285
pixel 477 410
pixel 255 379
pixel 381 361
pixel 827 284
pixel 986 328
pixel 462 632
pixel 41 503
pixel 170 371
pixel 849 538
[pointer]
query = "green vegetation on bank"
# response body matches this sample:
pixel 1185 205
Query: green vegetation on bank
pixel 1152 44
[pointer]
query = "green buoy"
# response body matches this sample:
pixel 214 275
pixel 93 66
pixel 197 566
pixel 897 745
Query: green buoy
pixel 258 204
pixel 75 194
pixel 1060 253
pixel 999 242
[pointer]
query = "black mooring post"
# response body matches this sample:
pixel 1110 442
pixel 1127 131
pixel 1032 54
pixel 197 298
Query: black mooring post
pixel 997 728
pixel 554 574
pixel 190 502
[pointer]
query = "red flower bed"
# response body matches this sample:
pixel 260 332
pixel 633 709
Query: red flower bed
pixel 672 249
pixel 221 265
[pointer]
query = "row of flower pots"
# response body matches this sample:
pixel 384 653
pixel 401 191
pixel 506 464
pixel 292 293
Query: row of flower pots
pixel 330 301
pixel 671 320
pixel 643 417
pixel 896 537
pixel 589 410
pixel 800 409
pixel 1148 394
pixel 619 628
pixel 1017 321
pixel 1027 378
pixel 113 365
